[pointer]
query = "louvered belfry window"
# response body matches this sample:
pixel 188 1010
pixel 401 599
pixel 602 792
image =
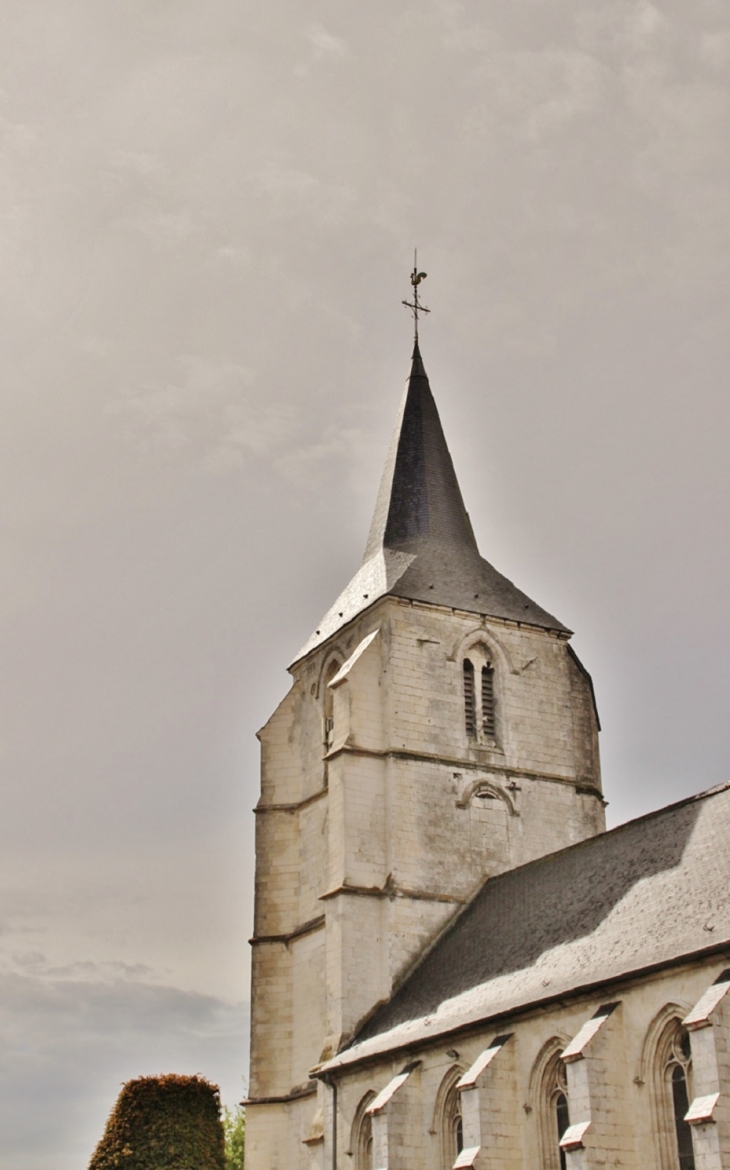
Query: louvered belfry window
pixel 480 697
pixel 488 724
pixel 470 700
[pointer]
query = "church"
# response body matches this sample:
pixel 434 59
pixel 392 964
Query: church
pixel 454 964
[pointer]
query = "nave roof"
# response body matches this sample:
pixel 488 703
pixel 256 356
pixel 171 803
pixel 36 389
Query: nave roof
pixel 646 894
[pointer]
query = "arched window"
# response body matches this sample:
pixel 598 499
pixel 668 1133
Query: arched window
pixel 361 1137
pixel 667 1068
pixel 549 1099
pixel 677 1087
pixel 480 707
pixel 447 1118
pixel 364 1159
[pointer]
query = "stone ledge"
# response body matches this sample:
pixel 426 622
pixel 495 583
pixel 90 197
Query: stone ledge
pixel 305 928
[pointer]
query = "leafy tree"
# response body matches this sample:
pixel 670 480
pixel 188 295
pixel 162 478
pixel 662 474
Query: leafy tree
pixel 234 1128
pixel 163 1123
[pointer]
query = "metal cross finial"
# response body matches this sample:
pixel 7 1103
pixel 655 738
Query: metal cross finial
pixel 415 305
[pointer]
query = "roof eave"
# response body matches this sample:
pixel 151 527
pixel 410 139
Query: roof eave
pixel 494 1019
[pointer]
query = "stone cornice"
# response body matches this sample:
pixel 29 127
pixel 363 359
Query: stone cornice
pixel 294 806
pixel 579 782
pixel 391 890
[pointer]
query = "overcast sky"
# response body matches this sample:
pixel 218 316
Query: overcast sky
pixel 208 212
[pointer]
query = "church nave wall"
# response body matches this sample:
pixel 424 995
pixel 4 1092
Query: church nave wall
pixel 613 1055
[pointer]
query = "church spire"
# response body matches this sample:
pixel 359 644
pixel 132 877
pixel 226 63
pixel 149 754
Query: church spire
pixel 421 545
pixel 419 501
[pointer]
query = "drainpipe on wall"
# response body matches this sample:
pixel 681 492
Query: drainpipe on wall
pixel 333 1085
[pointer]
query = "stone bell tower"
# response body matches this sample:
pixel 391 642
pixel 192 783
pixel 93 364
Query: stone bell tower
pixel 438 731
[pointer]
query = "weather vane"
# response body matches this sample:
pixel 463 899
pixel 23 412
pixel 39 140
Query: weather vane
pixel 415 305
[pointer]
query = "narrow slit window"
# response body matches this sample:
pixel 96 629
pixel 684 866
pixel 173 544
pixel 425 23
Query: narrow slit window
pixel 488 724
pixel 470 700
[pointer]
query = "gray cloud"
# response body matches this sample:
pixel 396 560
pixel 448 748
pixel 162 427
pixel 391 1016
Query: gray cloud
pixel 68 1043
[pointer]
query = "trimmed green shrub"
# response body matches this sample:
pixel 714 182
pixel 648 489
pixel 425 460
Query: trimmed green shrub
pixel 163 1123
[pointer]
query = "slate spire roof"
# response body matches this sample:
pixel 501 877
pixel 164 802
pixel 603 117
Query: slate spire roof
pixel 421 545
pixel 419 502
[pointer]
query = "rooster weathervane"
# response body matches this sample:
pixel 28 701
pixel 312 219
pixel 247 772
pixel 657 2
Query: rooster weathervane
pixel 415 305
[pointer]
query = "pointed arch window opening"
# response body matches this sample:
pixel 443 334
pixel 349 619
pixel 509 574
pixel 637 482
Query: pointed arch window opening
pixel 480 709
pixel 361 1135
pixel 554 1113
pixel 363 1145
pixel 453 1127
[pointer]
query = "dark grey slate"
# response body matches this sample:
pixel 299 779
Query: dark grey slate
pixel 421 545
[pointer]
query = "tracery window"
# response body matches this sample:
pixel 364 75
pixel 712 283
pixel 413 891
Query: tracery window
pixel 549 1099
pixel 361 1140
pixel 667 1066
pixel 480 709
pixel 448 1118
pixel 457 1133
